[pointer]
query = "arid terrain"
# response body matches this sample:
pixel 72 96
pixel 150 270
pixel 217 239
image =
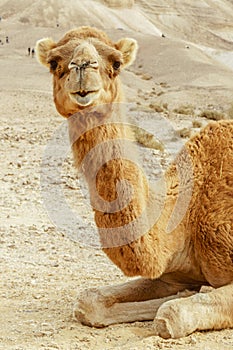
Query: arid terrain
pixel 178 83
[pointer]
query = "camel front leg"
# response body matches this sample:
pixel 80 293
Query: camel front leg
pixel 202 311
pixel 137 300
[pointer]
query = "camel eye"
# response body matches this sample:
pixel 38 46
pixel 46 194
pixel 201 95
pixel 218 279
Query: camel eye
pixel 53 64
pixel 116 65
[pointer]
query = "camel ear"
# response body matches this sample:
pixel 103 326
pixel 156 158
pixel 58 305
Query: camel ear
pixel 128 48
pixel 43 48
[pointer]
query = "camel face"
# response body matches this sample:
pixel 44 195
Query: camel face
pixel 83 82
pixel 85 68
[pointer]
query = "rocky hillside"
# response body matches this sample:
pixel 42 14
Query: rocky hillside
pixel 206 22
pixel 186 44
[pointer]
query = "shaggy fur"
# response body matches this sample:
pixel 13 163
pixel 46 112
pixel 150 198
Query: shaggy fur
pixel 85 65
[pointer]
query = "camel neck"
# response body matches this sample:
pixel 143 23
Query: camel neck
pixel 106 155
pixel 119 192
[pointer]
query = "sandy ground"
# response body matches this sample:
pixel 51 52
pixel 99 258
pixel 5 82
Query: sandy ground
pixel 42 268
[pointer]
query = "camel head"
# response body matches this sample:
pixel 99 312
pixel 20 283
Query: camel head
pixel 85 65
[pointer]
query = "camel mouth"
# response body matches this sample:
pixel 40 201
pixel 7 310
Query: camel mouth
pixel 83 93
pixel 84 98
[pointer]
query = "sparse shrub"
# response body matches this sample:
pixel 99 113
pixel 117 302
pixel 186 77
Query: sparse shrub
pixel 146 139
pixel 24 20
pixel 146 77
pixel 185 132
pixel 119 3
pixel 230 112
pixel 197 124
pixel 164 84
pixel 187 110
pixel 156 107
pixel 212 114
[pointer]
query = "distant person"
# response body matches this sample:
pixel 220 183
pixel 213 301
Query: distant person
pixel 33 53
pixel 7 39
pixel 57 24
pixel 29 51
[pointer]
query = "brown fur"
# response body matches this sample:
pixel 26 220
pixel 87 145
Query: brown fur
pixel 199 250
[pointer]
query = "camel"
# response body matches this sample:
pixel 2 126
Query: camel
pixel 183 279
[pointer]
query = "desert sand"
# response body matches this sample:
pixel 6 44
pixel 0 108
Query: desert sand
pixel 180 80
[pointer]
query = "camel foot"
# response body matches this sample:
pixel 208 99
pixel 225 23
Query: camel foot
pixel 173 320
pixel 90 308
